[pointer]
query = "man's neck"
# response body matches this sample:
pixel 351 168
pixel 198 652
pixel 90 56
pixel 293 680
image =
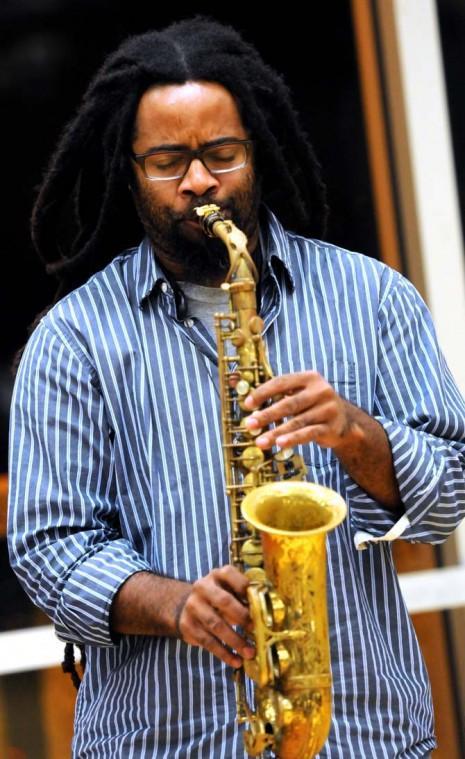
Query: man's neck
pixel 212 278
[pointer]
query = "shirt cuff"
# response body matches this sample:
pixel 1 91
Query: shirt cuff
pixel 417 468
pixel 83 615
pixel 418 477
pixel 362 538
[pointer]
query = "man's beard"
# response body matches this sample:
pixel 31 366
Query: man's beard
pixel 203 259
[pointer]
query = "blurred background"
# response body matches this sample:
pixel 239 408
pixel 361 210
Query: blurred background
pixel 380 87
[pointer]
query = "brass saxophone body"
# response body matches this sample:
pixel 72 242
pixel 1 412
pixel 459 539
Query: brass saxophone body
pixel 278 525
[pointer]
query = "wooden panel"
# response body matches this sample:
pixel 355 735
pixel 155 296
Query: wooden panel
pixel 36 715
pixel 3 737
pixel 22 715
pixel 376 133
pixel 58 696
pixel 401 149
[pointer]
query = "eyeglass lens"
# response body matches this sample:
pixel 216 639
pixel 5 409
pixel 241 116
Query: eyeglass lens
pixel 218 159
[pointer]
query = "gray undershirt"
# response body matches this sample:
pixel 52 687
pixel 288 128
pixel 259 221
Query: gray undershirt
pixel 204 302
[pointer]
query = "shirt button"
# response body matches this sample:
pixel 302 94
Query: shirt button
pixel 189 323
pixel 164 287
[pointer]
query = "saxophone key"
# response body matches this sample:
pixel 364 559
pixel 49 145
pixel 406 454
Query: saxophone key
pixel 252 458
pixel 238 338
pixel 256 325
pixel 242 388
pixel 251 553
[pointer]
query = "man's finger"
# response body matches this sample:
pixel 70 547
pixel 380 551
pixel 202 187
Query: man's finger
pixel 322 414
pixel 201 625
pixel 216 648
pixel 317 433
pixel 230 578
pixel 286 383
pixel 290 405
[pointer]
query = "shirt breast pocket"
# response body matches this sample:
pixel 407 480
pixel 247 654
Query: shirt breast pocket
pixel 342 376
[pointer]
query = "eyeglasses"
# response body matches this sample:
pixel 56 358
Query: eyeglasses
pixel 174 164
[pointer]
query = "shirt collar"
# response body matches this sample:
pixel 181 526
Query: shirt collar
pixel 274 244
pixel 148 272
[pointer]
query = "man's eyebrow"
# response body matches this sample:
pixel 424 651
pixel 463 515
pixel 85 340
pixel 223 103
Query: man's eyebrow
pixel 178 146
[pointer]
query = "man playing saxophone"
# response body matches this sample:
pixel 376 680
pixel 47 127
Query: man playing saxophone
pixel 119 524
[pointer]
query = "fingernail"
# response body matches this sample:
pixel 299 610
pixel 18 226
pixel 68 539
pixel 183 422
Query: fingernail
pixel 248 402
pixel 251 422
pixel 262 440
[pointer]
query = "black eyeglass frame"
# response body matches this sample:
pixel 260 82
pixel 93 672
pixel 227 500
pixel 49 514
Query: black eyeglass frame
pixel 139 158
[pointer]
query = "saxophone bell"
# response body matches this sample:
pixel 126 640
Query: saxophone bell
pixel 289 614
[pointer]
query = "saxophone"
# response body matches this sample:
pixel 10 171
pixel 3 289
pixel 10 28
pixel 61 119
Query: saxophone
pixel 278 525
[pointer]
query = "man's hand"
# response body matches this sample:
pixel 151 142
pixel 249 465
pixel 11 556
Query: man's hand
pixel 201 613
pixel 206 615
pixel 318 414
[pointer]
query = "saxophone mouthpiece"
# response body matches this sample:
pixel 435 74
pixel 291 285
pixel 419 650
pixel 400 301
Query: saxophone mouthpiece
pixel 208 216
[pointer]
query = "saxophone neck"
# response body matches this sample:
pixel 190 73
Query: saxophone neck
pixel 214 224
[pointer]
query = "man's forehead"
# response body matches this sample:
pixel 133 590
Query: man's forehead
pixel 192 105
pixel 172 95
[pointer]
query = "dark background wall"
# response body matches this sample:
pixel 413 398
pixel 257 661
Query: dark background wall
pixel 451 16
pixel 49 50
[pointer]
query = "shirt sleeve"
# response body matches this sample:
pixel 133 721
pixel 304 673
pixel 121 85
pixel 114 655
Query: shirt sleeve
pixel 64 536
pixel 423 414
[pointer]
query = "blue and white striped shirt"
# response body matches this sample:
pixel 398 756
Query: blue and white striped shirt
pixel 116 466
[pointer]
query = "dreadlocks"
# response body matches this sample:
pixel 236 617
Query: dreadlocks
pixel 68 665
pixel 84 213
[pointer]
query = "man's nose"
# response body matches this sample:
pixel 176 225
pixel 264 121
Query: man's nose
pixel 198 179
